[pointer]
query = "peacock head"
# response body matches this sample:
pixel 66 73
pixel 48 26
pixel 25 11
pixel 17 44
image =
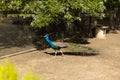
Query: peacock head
pixel 46 36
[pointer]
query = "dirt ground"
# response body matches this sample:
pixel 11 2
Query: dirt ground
pixel 105 66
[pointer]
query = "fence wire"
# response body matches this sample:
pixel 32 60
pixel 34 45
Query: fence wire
pixel 14 38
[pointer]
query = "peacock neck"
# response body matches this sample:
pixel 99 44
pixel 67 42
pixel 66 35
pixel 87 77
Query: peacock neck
pixel 50 42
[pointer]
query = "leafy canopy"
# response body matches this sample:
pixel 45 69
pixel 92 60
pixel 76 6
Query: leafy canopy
pixel 49 11
pixel 52 11
pixel 112 4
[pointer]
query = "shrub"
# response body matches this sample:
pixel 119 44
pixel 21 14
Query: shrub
pixel 9 72
pixel 30 76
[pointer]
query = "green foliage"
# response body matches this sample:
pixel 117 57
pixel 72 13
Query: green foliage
pixel 30 76
pixel 53 11
pixel 49 11
pixel 8 72
pixel 7 5
pixel 46 11
pixel 112 3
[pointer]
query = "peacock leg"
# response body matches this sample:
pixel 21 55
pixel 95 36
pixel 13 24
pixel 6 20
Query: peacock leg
pixel 61 52
pixel 55 52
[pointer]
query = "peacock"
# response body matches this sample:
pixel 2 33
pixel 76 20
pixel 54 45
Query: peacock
pixel 56 46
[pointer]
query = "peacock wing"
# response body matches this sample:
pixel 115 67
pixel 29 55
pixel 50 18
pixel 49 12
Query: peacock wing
pixel 60 44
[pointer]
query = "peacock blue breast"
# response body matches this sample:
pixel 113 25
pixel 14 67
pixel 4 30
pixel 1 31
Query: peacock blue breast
pixel 50 42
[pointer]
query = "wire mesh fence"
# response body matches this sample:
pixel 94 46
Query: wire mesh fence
pixel 14 38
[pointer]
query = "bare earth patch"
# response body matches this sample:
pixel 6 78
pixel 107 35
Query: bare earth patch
pixel 105 66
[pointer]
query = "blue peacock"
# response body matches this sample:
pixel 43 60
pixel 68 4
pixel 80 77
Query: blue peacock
pixel 56 46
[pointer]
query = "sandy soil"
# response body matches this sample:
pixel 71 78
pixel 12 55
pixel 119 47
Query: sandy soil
pixel 105 66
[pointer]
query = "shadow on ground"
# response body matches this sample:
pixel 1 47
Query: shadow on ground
pixel 85 53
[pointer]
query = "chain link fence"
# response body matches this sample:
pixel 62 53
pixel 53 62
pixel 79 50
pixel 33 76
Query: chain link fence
pixel 14 38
